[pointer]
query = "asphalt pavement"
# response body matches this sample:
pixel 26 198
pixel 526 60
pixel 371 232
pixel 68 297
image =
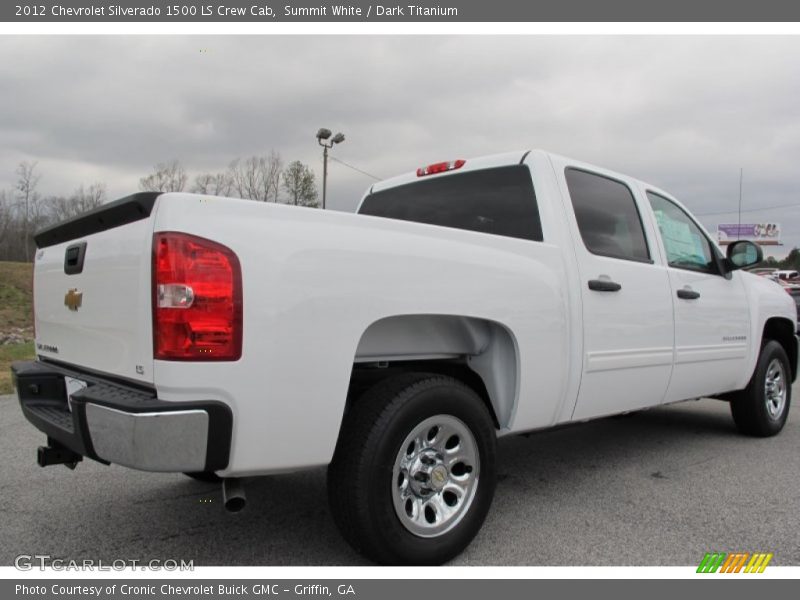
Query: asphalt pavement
pixel 659 487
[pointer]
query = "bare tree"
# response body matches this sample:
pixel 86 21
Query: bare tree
pixel 6 217
pixel 258 177
pixel 82 200
pixel 166 177
pixel 28 198
pixel 298 182
pixel 219 184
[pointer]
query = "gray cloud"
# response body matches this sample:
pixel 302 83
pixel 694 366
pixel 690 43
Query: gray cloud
pixel 683 112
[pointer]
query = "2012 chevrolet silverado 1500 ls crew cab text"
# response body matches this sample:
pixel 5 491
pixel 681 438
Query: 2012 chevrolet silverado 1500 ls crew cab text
pixel 464 302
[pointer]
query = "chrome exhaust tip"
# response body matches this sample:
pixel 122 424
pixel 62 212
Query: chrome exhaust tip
pixel 233 496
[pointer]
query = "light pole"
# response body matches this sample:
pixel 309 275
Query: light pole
pixel 322 136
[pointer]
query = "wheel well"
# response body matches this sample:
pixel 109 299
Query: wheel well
pixel 366 376
pixel 481 353
pixel 781 331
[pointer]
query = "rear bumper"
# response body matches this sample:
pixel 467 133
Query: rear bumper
pixel 118 423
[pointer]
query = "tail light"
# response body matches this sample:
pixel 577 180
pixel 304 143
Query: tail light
pixel 441 167
pixel 197 299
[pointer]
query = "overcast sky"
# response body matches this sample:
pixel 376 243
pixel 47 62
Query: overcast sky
pixel 682 112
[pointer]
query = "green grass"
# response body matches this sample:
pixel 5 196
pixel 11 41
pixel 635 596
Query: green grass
pixel 9 354
pixel 16 312
pixel 16 296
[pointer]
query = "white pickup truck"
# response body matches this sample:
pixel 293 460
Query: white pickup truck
pixel 464 302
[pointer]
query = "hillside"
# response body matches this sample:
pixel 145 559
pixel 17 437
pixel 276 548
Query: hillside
pixel 16 291
pixel 16 318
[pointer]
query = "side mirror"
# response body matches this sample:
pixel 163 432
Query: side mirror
pixel 743 254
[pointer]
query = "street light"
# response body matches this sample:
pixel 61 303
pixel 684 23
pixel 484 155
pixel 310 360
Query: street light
pixel 322 136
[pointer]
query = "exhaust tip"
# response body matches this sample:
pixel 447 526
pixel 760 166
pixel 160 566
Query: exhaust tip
pixel 233 496
pixel 234 505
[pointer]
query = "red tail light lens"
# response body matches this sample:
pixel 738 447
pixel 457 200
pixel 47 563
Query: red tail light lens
pixel 197 299
pixel 441 167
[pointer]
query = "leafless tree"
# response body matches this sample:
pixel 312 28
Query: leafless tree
pixel 166 177
pixel 299 184
pixel 82 200
pixel 28 198
pixel 218 184
pixel 6 216
pixel 258 177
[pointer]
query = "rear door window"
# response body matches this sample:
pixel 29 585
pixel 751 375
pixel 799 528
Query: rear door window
pixel 607 216
pixel 499 201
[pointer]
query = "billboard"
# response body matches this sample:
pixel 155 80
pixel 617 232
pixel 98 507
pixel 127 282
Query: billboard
pixel 765 234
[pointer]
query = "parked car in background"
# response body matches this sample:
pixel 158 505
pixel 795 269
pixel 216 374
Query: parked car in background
pixel 787 275
pixel 793 289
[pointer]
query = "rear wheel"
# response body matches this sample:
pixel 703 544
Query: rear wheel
pixel 762 407
pixel 413 475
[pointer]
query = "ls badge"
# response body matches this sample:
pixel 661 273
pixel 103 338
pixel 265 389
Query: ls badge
pixel 73 299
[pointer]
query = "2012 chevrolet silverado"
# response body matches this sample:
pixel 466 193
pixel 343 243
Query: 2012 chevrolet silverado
pixel 464 302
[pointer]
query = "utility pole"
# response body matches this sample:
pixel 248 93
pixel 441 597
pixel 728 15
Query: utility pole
pixel 322 136
pixel 324 174
pixel 739 226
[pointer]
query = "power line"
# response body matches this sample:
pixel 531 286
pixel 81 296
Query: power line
pixel 333 158
pixel 730 212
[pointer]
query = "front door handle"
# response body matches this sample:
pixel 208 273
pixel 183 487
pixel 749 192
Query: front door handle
pixel 688 294
pixel 604 285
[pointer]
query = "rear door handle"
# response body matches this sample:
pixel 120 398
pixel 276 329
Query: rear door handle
pixel 604 285
pixel 687 294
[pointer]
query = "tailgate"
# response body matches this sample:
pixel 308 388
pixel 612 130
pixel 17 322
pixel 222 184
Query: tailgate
pixel 92 303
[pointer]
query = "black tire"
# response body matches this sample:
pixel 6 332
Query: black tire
pixel 362 474
pixel 205 476
pixel 750 406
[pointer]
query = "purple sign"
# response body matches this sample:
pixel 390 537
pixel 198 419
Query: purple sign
pixel 764 233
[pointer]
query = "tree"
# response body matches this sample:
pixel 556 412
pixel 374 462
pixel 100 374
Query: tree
pixel 219 184
pixel 28 197
pixel 166 177
pixel 6 217
pixel 258 177
pixel 792 260
pixel 299 184
pixel 82 200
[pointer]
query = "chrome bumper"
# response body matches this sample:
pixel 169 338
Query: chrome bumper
pixel 128 425
pixel 156 441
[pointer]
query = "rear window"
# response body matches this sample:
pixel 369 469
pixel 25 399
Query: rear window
pixel 500 201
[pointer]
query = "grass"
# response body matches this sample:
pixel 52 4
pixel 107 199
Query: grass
pixel 9 354
pixel 16 295
pixel 16 312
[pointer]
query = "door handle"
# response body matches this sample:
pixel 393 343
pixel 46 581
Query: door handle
pixel 687 294
pixel 604 285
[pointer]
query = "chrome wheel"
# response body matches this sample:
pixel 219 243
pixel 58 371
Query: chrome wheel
pixel 435 476
pixel 775 389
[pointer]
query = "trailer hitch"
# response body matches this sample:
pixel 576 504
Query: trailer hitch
pixel 56 454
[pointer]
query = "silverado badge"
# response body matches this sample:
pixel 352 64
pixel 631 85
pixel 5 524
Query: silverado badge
pixel 73 299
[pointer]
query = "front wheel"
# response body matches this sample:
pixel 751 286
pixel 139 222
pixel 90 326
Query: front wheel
pixel 762 407
pixel 413 475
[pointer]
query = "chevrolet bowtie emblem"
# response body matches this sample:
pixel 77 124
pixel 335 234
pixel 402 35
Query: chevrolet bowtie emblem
pixel 73 299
